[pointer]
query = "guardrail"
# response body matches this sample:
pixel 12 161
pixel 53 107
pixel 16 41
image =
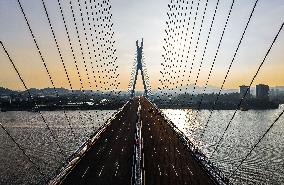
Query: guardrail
pixel 207 165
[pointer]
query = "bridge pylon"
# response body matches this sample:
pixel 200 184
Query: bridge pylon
pixel 139 67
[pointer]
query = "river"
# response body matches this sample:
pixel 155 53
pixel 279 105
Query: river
pixel 264 166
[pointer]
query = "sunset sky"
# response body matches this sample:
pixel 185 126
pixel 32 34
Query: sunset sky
pixel 136 19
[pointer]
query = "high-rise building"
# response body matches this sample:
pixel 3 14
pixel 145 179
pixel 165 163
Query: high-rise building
pixel 243 89
pixel 262 91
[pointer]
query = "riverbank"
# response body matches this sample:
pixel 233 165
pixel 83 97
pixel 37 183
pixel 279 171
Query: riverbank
pixel 247 105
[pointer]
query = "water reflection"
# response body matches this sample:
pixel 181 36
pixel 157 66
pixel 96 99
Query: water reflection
pixel 264 166
pixel 31 133
pixel 266 163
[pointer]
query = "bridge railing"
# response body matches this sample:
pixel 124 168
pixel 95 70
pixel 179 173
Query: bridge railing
pixel 207 165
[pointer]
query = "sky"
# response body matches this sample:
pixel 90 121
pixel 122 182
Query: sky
pixel 137 19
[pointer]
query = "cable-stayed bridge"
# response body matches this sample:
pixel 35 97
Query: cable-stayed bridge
pixel 138 144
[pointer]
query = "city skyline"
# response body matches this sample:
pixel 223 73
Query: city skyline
pixel 136 20
pixel 198 89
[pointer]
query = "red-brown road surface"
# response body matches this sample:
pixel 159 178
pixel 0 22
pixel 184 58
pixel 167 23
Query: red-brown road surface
pixel 165 160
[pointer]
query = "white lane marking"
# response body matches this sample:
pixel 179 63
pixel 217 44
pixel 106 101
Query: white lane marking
pixel 190 170
pixel 101 171
pixel 175 170
pixel 85 172
pixel 117 166
pixel 178 151
pixel 159 170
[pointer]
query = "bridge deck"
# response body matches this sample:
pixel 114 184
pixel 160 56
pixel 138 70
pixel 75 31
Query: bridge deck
pixel 109 160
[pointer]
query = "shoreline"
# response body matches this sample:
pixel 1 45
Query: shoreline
pixel 85 108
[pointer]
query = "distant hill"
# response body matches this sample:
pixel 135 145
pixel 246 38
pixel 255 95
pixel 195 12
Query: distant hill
pixel 49 92
pixel 6 92
pixel 197 90
pixel 189 89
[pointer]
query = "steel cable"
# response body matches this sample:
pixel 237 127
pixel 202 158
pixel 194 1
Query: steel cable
pixel 73 53
pixel 256 144
pixel 232 61
pixel 241 100
pixel 42 59
pixel 213 63
pixel 31 98
pixel 61 59
pixel 23 150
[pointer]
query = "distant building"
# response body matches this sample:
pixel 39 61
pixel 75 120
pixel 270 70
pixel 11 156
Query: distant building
pixel 262 91
pixel 243 89
pixel 276 93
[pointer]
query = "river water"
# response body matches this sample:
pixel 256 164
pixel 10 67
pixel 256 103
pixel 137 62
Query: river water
pixel 264 166
pixel 266 163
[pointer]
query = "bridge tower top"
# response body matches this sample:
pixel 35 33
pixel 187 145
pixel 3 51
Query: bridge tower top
pixel 139 67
